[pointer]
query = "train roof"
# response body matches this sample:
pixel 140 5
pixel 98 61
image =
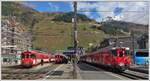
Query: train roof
pixel 60 54
pixel 142 50
pixel 127 48
pixel 34 52
pixel 107 49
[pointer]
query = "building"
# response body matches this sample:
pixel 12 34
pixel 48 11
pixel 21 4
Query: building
pixel 119 42
pixel 143 41
pixel 13 40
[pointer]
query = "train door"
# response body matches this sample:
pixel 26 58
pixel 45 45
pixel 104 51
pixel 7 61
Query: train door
pixel 107 58
pixel 102 57
pixel 22 58
pixel 33 57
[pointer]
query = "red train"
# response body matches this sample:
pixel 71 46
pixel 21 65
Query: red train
pixel 60 58
pixel 31 58
pixel 117 58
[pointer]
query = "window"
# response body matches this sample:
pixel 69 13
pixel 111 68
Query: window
pixel 142 54
pixel 32 56
pixel 4 59
pixel 22 55
pixel 127 52
pixel 114 52
pixel 121 54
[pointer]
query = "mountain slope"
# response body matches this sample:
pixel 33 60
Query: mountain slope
pixel 67 17
pixel 53 30
pixel 50 34
pixel 122 28
pixel 57 35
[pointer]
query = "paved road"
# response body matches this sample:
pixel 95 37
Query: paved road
pixel 89 72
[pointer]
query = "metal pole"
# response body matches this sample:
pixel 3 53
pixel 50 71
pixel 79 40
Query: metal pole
pixel 75 27
pixel 132 35
pixel 75 37
pixel 12 41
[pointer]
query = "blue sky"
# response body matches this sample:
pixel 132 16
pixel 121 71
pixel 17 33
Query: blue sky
pixel 45 6
pixel 116 10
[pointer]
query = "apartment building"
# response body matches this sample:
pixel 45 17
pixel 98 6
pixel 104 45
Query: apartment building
pixel 14 39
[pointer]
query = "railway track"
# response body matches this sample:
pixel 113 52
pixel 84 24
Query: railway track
pixel 26 73
pixel 134 75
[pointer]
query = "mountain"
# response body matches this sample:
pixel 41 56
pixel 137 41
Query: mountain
pixel 53 30
pixel 50 31
pixel 121 27
pixel 25 15
pixel 14 8
pixel 67 17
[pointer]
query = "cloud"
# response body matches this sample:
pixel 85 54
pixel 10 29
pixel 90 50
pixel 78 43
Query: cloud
pixel 125 11
pixel 53 7
pixel 27 4
pixel 70 5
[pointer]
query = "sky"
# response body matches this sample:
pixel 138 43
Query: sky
pixel 136 12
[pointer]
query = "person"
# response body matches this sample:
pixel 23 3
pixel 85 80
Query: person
pixel 42 62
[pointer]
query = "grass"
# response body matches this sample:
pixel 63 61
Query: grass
pixel 57 35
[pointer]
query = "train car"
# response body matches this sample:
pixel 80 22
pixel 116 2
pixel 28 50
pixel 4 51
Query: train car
pixel 116 58
pixel 52 59
pixel 60 58
pixel 141 56
pixel 31 58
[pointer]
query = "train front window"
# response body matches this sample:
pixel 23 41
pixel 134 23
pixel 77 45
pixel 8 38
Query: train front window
pixel 114 52
pixel 127 52
pixel 32 56
pixel 142 54
pixel 22 55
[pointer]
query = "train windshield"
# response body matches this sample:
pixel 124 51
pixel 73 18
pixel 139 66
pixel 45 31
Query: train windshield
pixel 121 53
pixel 22 55
pixel 142 54
pixel 114 52
pixel 127 52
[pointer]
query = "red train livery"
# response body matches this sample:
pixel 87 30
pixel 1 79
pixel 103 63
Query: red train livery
pixel 117 58
pixel 31 58
pixel 60 58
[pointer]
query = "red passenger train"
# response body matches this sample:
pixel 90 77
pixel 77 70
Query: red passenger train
pixel 60 58
pixel 31 58
pixel 117 58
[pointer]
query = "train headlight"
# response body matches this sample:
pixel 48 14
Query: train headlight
pixel 121 64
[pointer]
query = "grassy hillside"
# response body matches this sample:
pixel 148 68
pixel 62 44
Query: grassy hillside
pixel 57 35
pixel 53 31
pixel 67 17
pixel 25 15
pixel 119 27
